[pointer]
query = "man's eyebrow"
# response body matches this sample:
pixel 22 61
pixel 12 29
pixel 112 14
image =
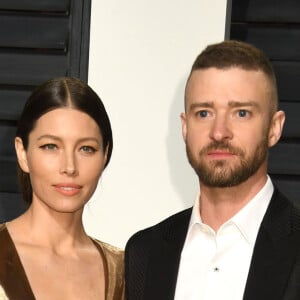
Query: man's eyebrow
pixel 201 105
pixel 243 103
pixel 231 104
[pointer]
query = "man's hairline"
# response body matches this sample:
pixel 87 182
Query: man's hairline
pixel 271 84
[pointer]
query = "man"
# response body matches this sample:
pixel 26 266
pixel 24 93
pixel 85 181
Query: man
pixel 241 239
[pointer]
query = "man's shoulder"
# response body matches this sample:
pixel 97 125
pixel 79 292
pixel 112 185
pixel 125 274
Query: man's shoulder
pixel 283 212
pixel 281 202
pixel 166 228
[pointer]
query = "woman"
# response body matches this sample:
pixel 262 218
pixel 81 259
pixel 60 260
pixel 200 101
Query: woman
pixel 63 143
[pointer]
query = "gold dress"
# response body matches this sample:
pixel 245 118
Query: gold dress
pixel 15 285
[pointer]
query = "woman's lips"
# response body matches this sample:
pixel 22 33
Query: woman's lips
pixel 67 189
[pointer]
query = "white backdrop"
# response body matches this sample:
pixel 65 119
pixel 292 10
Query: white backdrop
pixel 140 55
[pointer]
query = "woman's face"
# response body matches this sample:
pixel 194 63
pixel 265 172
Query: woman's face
pixel 64 158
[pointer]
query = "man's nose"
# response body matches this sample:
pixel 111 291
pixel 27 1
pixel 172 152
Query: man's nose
pixel 221 129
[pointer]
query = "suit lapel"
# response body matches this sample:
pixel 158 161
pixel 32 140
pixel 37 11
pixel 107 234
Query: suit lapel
pixel 164 260
pixel 274 252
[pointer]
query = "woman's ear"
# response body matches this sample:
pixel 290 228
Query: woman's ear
pixel 276 127
pixel 106 154
pixel 21 154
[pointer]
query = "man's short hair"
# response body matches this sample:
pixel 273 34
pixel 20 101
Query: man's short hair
pixel 231 53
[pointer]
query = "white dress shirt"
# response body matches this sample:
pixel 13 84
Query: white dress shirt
pixel 215 265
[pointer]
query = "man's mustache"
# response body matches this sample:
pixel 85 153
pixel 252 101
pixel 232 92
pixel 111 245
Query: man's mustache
pixel 223 146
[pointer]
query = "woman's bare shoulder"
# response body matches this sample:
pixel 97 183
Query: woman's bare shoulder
pixel 109 249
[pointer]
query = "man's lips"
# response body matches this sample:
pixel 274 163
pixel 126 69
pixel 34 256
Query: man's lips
pixel 68 189
pixel 219 154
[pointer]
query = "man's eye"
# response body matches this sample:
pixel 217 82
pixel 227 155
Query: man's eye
pixel 87 149
pixel 243 113
pixel 202 113
pixel 49 147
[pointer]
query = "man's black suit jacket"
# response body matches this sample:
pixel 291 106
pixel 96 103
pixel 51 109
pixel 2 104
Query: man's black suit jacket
pixel 152 256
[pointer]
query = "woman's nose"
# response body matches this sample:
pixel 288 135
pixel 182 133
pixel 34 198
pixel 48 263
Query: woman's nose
pixel 68 164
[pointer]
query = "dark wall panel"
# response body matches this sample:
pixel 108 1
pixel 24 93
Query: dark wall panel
pixel 34 31
pixel 288 79
pixel 8 183
pixel 271 38
pixel 34 5
pixel 11 206
pixel 11 102
pixel 29 69
pixel 285 159
pixel 291 129
pixel 274 11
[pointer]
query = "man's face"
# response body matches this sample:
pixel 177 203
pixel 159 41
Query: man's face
pixel 228 125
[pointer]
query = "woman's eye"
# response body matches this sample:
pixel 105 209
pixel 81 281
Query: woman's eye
pixel 87 149
pixel 49 147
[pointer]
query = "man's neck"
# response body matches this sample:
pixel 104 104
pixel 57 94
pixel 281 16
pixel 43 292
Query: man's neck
pixel 218 205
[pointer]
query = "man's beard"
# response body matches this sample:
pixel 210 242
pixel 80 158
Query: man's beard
pixel 224 173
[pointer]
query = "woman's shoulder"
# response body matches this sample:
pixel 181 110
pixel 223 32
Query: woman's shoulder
pixel 109 250
pixel 114 261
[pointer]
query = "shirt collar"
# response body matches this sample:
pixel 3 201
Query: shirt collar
pixel 248 219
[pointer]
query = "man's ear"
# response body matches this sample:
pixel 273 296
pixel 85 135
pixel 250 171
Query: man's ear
pixel 183 125
pixel 276 127
pixel 21 154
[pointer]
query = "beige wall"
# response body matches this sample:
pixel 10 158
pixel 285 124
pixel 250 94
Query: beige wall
pixel 140 54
